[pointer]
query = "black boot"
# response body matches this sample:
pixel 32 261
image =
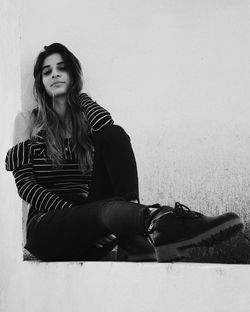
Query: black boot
pixel 173 230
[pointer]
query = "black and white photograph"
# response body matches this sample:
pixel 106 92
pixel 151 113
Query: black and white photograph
pixel 125 178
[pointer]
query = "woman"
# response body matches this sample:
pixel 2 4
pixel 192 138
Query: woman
pixel 77 171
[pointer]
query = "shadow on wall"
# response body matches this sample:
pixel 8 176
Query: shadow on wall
pixel 233 251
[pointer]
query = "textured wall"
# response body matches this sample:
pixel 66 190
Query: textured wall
pixel 175 74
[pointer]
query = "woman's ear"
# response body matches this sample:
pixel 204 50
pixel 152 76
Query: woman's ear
pixel 22 127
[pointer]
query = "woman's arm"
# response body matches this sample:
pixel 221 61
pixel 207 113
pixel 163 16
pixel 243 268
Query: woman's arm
pixel 22 127
pixel 19 160
pixel 36 195
pixel 97 116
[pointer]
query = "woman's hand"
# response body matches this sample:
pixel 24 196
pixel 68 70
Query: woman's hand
pixel 105 240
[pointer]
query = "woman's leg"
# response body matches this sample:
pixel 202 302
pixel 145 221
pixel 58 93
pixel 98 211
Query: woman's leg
pixel 71 234
pixel 114 169
pixel 115 174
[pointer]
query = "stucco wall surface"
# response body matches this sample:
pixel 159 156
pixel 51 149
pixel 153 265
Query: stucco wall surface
pixel 175 75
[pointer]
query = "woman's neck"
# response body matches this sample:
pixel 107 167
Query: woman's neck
pixel 59 105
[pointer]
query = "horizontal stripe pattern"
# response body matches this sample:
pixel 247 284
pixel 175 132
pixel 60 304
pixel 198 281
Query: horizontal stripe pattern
pixel 35 194
pixel 18 156
pixel 40 183
pixel 97 116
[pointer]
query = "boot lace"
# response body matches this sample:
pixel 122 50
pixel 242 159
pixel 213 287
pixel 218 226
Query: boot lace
pixel 179 210
pixel 183 211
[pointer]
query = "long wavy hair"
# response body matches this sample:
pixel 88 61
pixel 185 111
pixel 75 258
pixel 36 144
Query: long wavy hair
pixel 45 120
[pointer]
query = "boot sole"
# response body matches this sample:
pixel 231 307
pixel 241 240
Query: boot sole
pixel 179 250
pixel 142 257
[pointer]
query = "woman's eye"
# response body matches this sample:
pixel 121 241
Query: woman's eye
pixel 63 68
pixel 46 72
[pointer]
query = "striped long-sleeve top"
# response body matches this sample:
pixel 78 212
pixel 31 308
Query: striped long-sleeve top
pixel 44 186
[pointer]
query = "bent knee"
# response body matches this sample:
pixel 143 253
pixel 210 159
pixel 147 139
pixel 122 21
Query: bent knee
pixel 112 133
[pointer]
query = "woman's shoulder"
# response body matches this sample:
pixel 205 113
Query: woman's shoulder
pixel 18 156
pixel 22 127
pixel 26 116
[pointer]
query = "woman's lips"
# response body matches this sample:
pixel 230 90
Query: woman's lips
pixel 58 83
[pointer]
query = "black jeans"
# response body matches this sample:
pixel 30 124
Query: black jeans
pixel 114 170
pixel 70 234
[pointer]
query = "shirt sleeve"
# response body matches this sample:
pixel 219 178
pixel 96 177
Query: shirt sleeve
pixel 97 116
pixel 19 160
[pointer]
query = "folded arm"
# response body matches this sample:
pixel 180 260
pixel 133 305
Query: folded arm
pixel 18 160
pixel 97 116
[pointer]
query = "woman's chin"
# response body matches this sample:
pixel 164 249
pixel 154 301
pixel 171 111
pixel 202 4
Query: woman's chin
pixel 57 93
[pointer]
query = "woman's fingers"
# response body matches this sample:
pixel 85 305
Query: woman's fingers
pixel 109 238
pixel 98 245
pixel 105 240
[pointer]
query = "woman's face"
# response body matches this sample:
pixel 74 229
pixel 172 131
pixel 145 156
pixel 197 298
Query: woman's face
pixel 55 75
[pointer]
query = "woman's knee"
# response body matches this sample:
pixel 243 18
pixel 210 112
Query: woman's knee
pixel 113 133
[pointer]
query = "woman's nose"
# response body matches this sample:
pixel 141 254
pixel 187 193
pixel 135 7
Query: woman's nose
pixel 55 73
